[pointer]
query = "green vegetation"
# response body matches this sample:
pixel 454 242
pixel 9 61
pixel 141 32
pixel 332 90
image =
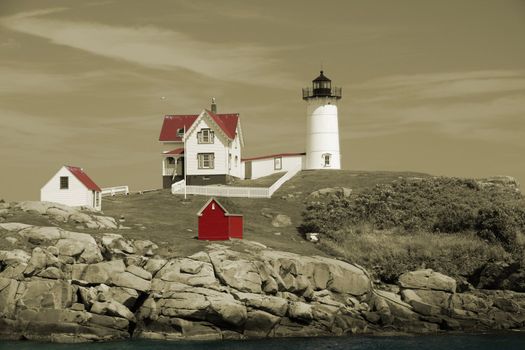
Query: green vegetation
pixel 452 225
pixel 265 181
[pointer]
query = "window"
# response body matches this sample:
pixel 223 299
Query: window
pixel 277 163
pixel 180 132
pixel 326 159
pixel 170 160
pixel 97 197
pixel 236 160
pixel 64 182
pixel 206 160
pixel 213 206
pixel 229 161
pixel 205 136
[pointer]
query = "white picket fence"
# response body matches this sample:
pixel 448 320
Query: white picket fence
pixel 111 191
pixel 230 191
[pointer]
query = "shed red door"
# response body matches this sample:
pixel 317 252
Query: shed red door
pixel 213 223
pixel 235 226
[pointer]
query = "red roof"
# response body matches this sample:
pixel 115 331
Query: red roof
pixel 84 178
pixel 275 155
pixel 174 151
pixel 173 123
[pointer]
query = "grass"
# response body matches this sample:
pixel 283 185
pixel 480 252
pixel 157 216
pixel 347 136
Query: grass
pixel 389 254
pixel 265 181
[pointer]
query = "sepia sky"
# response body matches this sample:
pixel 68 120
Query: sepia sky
pixel 429 86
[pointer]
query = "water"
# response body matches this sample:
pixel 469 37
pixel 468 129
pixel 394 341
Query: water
pixel 508 341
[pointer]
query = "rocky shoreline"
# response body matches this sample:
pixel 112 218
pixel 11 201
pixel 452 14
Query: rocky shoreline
pixel 73 287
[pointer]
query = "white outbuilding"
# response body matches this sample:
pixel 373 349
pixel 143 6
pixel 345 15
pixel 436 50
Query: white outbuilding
pixel 72 186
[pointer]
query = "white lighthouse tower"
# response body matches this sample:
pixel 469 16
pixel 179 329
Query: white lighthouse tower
pixel 322 129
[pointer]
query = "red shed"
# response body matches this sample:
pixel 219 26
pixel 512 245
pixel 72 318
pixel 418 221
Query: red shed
pixel 215 223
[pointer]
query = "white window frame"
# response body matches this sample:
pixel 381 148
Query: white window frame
pixel 205 136
pixel 206 160
pixel 325 157
pixel 278 163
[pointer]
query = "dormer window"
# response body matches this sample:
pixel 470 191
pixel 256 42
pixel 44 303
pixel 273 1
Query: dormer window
pixel 327 159
pixel 180 132
pixel 205 136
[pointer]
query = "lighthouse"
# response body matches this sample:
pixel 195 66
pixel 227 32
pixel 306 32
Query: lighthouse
pixel 322 129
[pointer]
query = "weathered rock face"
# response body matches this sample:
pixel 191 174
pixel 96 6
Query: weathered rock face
pixel 427 279
pixel 73 288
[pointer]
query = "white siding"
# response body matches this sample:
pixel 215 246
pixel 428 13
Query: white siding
pixel 219 148
pixel 266 166
pixel 236 168
pixel 76 195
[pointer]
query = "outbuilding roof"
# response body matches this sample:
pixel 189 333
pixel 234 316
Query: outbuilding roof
pixel 174 123
pixel 213 199
pixel 83 177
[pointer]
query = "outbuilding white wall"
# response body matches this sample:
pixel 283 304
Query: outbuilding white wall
pixel 76 195
pixel 266 166
pixel 236 169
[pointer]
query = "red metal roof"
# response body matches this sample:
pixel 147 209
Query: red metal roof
pixel 84 178
pixel 174 151
pixel 274 155
pixel 172 123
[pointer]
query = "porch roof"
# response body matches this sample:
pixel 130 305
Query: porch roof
pixel 174 152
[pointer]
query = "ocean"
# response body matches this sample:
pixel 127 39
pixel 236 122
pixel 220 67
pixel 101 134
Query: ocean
pixel 500 341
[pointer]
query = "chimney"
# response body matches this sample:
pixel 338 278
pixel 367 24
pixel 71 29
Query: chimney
pixel 213 106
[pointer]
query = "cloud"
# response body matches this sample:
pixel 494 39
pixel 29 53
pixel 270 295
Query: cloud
pixel 152 47
pixel 481 105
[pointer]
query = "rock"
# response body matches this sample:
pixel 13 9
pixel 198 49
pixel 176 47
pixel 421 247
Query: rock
pixel 112 308
pixel 507 305
pixel 14 226
pixel 45 293
pixel 281 220
pixel 129 280
pixel 239 274
pixel 228 310
pixel 346 278
pixel 8 289
pixel 424 308
pixel 259 323
pixel 39 235
pixel 100 272
pixel 58 214
pixel 434 297
pixel 154 265
pixel 126 296
pixel 116 244
pixel 145 247
pixel 106 222
pixel 51 272
pixel 427 279
pixel 343 191
pixel 14 271
pixel 139 272
pixel 15 256
pixel 300 311
pixel 34 206
pixel 70 247
pixel 171 272
pixel 274 305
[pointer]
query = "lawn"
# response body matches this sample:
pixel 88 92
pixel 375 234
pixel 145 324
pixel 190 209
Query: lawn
pixel 265 181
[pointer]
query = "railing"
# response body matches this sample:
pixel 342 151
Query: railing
pixel 277 184
pixel 321 92
pixel 229 191
pixel 111 191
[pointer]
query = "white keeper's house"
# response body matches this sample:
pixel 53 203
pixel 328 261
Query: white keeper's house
pixel 72 186
pixel 206 148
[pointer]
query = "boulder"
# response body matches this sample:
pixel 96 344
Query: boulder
pixel 15 256
pixel 45 293
pixel 174 271
pixel 102 272
pixel 240 274
pixel 154 265
pixel 112 308
pixel 259 323
pixel 8 288
pixel 343 191
pixel 281 220
pixel 106 222
pixel 116 244
pixel 129 280
pixel 145 247
pixel 427 279
pixel 39 234
pixel 274 305
pixel 70 247
pixel 346 278
pixel 300 311
pixel 14 226
pixel 126 296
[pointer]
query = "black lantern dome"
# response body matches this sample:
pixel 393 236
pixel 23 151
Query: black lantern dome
pixel 321 87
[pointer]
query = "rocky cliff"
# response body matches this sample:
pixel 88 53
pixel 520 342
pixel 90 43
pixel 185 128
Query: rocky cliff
pixel 71 287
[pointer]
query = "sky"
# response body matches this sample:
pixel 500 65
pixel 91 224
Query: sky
pixel 428 86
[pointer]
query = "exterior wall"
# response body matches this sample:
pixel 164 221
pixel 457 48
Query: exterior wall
pixel 213 223
pixel 322 133
pixel 235 168
pixel 202 180
pixel 76 195
pixel 265 167
pixel 218 147
pixel 235 226
pixel 168 180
